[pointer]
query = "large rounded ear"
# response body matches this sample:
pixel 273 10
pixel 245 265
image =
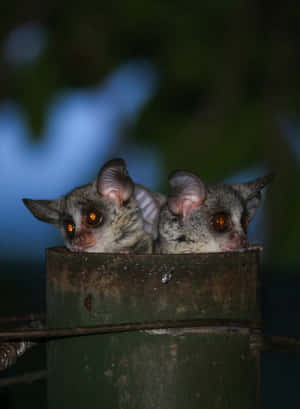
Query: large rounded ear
pixel 251 192
pixel 149 204
pixel 188 193
pixel 45 210
pixel 114 182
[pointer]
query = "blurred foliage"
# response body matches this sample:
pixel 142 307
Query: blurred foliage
pixel 228 70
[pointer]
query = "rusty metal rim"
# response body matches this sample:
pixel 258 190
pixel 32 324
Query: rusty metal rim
pixel 253 249
pixel 212 325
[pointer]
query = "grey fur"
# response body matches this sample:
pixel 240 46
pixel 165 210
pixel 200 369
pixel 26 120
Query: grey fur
pixel 124 226
pixel 195 233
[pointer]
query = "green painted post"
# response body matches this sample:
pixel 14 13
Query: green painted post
pixel 214 366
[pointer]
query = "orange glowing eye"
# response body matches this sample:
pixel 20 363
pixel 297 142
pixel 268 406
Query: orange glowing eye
pixel 245 222
pixel 221 222
pixel 94 218
pixel 70 229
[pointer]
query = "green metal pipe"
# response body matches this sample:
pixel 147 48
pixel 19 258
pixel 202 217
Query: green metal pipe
pixel 211 366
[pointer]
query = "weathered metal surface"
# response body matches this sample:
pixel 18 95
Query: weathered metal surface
pixel 141 371
pixel 189 368
pixel 203 326
pixel 115 288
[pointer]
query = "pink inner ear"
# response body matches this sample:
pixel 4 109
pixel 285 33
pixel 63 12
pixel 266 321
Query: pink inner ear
pixel 187 206
pixel 114 183
pixel 189 192
pixel 183 205
pixel 112 194
pixel 118 194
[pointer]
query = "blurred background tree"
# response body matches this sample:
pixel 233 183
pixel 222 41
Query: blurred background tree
pixel 228 92
pixel 218 94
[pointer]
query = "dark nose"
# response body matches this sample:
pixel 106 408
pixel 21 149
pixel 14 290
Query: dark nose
pixel 80 239
pixel 240 239
pixel 83 239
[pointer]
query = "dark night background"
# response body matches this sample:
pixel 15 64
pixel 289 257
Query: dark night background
pixel 212 87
